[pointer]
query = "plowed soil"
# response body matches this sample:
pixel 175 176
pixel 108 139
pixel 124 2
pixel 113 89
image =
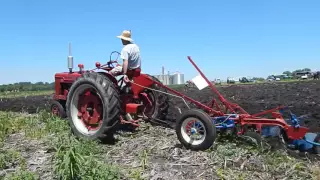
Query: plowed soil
pixel 303 98
pixel 29 104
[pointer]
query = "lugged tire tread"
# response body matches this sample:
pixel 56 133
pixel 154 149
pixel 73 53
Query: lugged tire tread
pixel 108 92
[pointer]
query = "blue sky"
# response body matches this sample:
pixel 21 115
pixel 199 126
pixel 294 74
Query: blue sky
pixel 225 38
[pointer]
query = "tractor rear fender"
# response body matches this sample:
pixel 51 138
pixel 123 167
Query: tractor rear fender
pixel 110 77
pixel 143 81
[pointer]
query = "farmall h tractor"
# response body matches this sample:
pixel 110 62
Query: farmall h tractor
pixel 95 102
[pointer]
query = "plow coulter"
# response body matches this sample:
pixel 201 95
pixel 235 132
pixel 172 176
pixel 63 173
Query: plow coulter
pixel 95 103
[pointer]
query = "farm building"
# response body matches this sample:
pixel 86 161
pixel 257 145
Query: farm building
pixel 167 79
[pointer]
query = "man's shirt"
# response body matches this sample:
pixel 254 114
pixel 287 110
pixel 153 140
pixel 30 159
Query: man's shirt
pixel 131 53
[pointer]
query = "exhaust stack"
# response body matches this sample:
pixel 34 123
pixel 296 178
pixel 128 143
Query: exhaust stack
pixel 70 59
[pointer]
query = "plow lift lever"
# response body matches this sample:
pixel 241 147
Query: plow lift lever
pixel 221 98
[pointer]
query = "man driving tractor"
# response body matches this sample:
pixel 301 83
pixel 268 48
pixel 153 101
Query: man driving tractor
pixel 130 54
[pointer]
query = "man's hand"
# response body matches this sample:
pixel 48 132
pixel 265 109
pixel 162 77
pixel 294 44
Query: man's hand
pixel 126 79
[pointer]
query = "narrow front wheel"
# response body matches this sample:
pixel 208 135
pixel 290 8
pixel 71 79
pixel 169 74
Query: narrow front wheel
pixel 57 109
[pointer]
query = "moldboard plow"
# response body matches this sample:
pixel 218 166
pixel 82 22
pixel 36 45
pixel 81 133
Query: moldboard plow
pixel 197 128
pixel 96 102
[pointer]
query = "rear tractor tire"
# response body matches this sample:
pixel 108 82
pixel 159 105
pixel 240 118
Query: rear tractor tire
pixel 58 109
pixel 93 106
pixel 196 122
pixel 160 102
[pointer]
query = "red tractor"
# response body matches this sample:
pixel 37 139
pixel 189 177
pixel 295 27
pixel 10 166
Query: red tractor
pixel 95 102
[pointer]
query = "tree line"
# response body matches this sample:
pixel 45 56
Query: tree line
pixel 291 74
pixel 27 86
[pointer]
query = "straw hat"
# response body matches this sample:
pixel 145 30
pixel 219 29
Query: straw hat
pixel 126 35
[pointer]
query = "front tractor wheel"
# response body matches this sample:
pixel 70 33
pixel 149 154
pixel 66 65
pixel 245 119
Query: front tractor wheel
pixel 93 106
pixel 57 109
pixel 195 130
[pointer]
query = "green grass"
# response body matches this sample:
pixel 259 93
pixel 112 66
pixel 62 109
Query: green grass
pixel 25 93
pixel 22 174
pixel 73 158
pixel 11 157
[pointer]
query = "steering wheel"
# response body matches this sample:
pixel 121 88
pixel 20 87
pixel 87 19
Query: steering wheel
pixel 113 61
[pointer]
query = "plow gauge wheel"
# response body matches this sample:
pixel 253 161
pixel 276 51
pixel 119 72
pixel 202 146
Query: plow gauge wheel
pixel 195 130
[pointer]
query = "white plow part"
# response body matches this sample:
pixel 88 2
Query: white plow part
pixel 200 82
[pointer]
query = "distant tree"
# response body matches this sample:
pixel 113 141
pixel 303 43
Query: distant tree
pixel 39 83
pixel 271 77
pixel 258 78
pixel 306 69
pixel 288 73
pixel 27 86
pixel 298 70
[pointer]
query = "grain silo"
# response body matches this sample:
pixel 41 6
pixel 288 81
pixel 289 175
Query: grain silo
pixel 164 78
pixel 177 78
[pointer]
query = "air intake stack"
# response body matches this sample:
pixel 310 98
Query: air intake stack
pixel 70 59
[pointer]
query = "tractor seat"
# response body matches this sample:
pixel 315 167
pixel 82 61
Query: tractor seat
pixel 133 73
